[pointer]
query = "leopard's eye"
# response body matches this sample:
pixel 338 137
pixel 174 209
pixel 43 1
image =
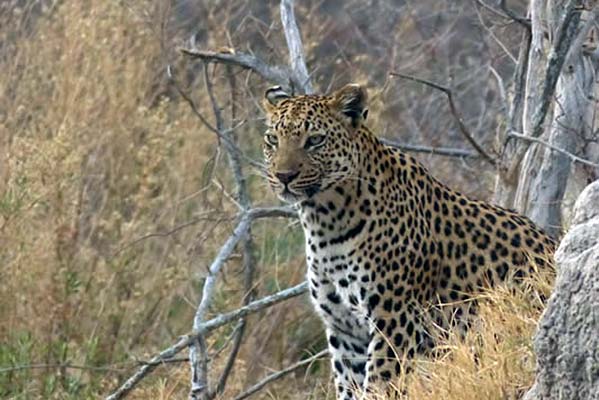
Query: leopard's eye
pixel 271 140
pixel 314 141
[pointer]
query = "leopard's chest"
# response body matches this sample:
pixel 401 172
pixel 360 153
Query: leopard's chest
pixel 340 279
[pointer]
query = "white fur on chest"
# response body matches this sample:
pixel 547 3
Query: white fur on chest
pixel 334 271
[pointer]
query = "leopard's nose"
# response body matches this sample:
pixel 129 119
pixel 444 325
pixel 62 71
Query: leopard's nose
pixel 286 176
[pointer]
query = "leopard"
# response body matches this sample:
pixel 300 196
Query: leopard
pixel 391 252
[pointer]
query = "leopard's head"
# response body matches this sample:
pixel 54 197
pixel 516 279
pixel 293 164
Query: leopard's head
pixel 310 144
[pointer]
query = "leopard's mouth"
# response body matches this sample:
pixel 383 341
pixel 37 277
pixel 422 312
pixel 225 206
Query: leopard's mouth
pixel 294 195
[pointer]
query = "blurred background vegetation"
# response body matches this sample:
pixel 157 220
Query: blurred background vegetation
pixel 114 197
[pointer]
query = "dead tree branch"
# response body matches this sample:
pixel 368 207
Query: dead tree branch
pixel 295 76
pixel 279 374
pixel 279 75
pixel 454 111
pixel 512 15
pixel 206 327
pixel 270 212
pixel 243 198
pixel 292 78
pixel 440 151
pixel 199 361
pixel 506 13
pixel 297 60
pixel 573 157
pixel 222 134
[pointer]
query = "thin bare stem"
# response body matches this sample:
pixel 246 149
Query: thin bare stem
pixel 573 157
pixel 221 134
pixel 454 111
pixel 440 151
pixel 279 374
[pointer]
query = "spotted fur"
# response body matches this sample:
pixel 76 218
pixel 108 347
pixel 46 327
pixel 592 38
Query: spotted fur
pixel 386 242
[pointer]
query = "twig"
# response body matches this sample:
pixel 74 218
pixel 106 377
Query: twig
pixel 552 147
pixel 441 151
pixel 493 36
pixel 166 361
pixel 237 338
pixel 279 374
pixel 221 134
pixel 516 18
pixel 208 326
pixel 163 234
pixel 463 129
pixel 507 13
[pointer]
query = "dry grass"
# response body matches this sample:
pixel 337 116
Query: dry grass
pixel 113 199
pixel 496 359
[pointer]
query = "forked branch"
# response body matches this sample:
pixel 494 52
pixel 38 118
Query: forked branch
pixel 186 340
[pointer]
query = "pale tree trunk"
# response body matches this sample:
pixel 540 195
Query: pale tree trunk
pixel 573 113
pixel 541 58
pixel 527 180
pixel 506 183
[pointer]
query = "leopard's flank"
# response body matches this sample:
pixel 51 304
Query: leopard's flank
pixel 386 242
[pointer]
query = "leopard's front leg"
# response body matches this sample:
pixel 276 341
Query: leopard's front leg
pixel 348 362
pixel 396 338
pixel 348 338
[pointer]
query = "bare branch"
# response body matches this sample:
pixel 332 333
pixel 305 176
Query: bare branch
pixel 268 212
pixel 208 326
pixel 290 78
pixel 199 372
pixel 294 44
pixel 237 339
pixel 222 256
pixel 221 134
pixel 168 233
pixel 511 14
pixel 279 75
pixel 506 13
pixel 279 374
pixel 463 129
pixel 573 157
pixel 243 197
pixel 441 151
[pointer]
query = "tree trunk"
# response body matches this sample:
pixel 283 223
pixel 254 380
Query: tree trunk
pixel 533 178
pixel 541 199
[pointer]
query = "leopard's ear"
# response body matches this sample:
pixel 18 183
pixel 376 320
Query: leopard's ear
pixel 350 103
pixel 272 97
